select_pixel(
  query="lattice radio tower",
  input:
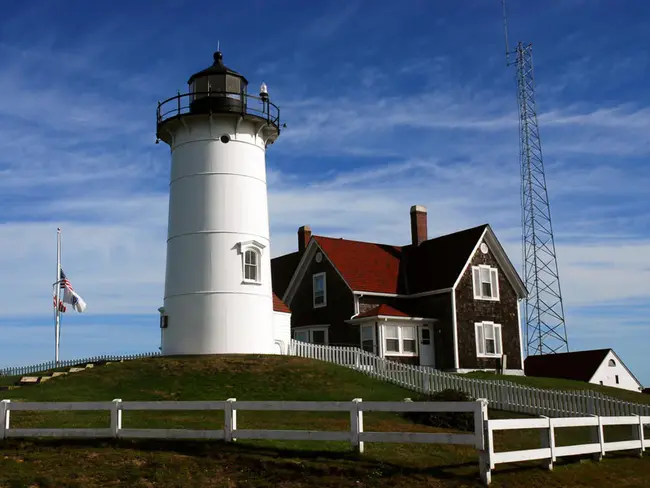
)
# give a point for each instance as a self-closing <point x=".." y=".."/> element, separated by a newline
<point x="544" y="311"/>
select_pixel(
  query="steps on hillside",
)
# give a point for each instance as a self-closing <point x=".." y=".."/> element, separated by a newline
<point x="29" y="380"/>
<point x="34" y="380"/>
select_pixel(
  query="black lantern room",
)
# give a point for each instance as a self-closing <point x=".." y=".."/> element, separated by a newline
<point x="217" y="89"/>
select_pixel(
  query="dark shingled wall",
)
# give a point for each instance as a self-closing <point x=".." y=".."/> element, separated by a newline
<point x="503" y="312"/>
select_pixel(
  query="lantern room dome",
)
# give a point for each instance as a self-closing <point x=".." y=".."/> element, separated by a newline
<point x="217" y="68"/>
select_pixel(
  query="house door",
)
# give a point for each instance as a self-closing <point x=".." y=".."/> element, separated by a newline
<point x="426" y="346"/>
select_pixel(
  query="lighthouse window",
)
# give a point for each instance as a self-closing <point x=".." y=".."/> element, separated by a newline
<point x="251" y="260"/>
<point x="225" y="138"/>
<point x="251" y="266"/>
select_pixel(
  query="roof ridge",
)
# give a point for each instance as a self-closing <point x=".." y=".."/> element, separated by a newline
<point x="404" y="245"/>
<point x="357" y="241"/>
<point x="602" y="349"/>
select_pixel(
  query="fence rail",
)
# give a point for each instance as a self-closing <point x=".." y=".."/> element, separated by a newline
<point x="49" y="365"/>
<point x="482" y="438"/>
<point x="502" y="394"/>
<point x="356" y="435"/>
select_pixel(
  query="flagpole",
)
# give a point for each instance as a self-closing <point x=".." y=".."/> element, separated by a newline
<point x="57" y="326"/>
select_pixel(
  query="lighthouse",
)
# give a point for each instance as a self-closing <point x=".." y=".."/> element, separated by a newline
<point x="218" y="296"/>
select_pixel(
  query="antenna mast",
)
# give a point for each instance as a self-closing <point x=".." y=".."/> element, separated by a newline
<point x="544" y="310"/>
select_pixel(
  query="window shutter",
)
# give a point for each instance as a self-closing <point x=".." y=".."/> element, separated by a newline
<point x="477" y="282"/>
<point x="497" y="338"/>
<point x="494" y="278"/>
<point x="479" y="339"/>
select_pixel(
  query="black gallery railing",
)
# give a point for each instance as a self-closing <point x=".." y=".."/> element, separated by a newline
<point x="218" y="102"/>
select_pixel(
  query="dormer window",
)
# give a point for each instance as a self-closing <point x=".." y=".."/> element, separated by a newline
<point x="319" y="290"/>
<point x="251" y="252"/>
<point x="486" y="282"/>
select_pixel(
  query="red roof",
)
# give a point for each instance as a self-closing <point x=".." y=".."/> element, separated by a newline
<point x="381" y="268"/>
<point x="383" y="310"/>
<point x="279" y="305"/>
<point x="364" y="266"/>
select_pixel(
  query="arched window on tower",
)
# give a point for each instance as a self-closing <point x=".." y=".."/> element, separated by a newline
<point x="611" y="363"/>
<point x="251" y="265"/>
<point x="251" y="256"/>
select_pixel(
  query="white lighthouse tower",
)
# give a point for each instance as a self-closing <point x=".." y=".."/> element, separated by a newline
<point x="218" y="296"/>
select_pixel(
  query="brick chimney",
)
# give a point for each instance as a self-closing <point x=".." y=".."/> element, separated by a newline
<point x="418" y="224"/>
<point x="304" y="235"/>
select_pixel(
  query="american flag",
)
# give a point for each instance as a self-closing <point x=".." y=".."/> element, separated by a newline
<point x="62" y="306"/>
<point x="64" y="283"/>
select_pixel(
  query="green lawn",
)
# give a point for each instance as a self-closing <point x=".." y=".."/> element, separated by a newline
<point x="561" y="384"/>
<point x="90" y="463"/>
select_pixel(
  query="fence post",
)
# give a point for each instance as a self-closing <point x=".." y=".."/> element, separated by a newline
<point x="547" y="436"/>
<point x="637" y="434"/>
<point x="230" y="420"/>
<point x="356" y="425"/>
<point x="116" y="418"/>
<point x="484" y="440"/>
<point x="601" y="440"/>
<point x="4" y="418"/>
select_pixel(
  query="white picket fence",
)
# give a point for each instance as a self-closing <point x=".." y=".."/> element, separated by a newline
<point x="549" y="452"/>
<point x="49" y="365"/>
<point x="502" y="394"/>
<point x="481" y="439"/>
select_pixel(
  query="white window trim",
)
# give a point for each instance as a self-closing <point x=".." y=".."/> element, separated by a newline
<point x="257" y="248"/>
<point x="400" y="339"/>
<point x="498" y="344"/>
<point x="310" y="330"/>
<point x="494" y="279"/>
<point x="313" y="290"/>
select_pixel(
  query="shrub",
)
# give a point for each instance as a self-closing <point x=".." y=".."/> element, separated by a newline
<point x="449" y="420"/>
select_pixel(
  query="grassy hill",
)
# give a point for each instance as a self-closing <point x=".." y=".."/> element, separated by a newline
<point x="89" y="463"/>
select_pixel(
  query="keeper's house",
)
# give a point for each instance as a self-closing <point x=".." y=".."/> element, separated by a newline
<point x="451" y="302"/>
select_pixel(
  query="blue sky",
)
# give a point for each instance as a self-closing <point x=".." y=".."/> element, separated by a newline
<point x="388" y="104"/>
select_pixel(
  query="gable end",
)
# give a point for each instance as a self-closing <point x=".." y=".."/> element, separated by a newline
<point x="303" y="265"/>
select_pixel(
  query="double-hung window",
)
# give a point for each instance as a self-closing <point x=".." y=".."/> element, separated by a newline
<point x="319" y="290"/>
<point x="368" y="338"/>
<point x="251" y="252"/>
<point x="251" y="266"/>
<point x="486" y="282"/>
<point x="400" y="340"/>
<point x="488" y="340"/>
